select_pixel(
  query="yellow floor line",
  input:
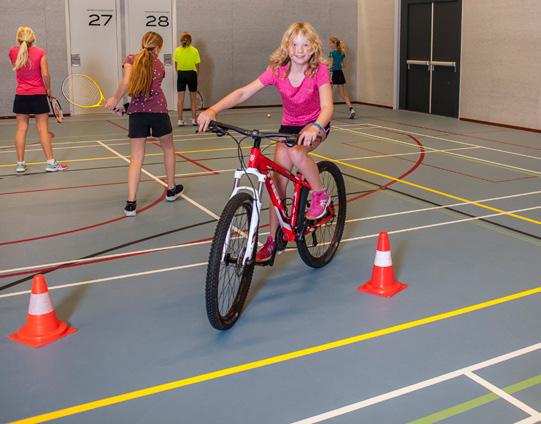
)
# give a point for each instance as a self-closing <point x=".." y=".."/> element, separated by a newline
<point x="431" y="190"/>
<point x="77" y="409"/>
<point x="116" y="157"/>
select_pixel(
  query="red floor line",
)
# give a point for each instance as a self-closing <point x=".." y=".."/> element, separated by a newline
<point x="455" y="133"/>
<point x="63" y="188"/>
<point x="443" y="169"/>
<point x="155" y="142"/>
<point x="116" y="125"/>
<point x="95" y="261"/>
<point x="405" y="174"/>
<point x="88" y="227"/>
<point x="196" y="163"/>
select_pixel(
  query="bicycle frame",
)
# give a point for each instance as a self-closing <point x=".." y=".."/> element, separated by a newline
<point x="260" y="166"/>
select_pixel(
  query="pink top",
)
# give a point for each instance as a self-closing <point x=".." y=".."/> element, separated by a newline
<point x="156" y="102"/>
<point x="29" y="80"/>
<point x="300" y="104"/>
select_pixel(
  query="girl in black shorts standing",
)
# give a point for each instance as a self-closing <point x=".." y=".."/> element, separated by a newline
<point x="337" y="55"/>
<point x="187" y="61"/>
<point x="143" y="75"/>
<point x="33" y="87"/>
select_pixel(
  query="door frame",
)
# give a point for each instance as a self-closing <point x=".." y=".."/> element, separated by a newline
<point x="399" y="95"/>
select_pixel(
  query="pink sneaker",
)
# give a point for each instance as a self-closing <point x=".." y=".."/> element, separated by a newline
<point x="318" y="207"/>
<point x="266" y="252"/>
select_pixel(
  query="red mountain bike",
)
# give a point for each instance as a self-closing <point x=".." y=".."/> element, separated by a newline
<point x="232" y="254"/>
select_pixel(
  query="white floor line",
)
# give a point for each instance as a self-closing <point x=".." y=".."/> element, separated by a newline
<point x="105" y="279"/>
<point x="125" y="143"/>
<point x="501" y="393"/>
<point x="393" y="155"/>
<point x="104" y="257"/>
<point x="475" y="159"/>
<point x="458" y="142"/>
<point x="530" y="420"/>
<point x="451" y="205"/>
<point x="71" y="261"/>
<point x="189" y="199"/>
<point x="404" y="230"/>
<point x="442" y="224"/>
<point x="415" y="387"/>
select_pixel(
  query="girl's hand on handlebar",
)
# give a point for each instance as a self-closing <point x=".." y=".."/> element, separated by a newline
<point x="308" y="135"/>
<point x="204" y="119"/>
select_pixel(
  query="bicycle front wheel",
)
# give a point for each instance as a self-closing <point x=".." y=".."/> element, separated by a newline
<point x="319" y="239"/>
<point x="228" y="278"/>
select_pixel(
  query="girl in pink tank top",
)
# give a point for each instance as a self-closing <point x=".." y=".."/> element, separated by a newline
<point x="33" y="87"/>
<point x="298" y="72"/>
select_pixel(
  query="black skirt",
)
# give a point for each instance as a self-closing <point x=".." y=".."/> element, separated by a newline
<point x="34" y="104"/>
<point x="338" y="78"/>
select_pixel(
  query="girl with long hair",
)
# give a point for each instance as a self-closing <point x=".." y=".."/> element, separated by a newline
<point x="148" y="115"/>
<point x="337" y="56"/>
<point x="298" y="72"/>
<point x="33" y="86"/>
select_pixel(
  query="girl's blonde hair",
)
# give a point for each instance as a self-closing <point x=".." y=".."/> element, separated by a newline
<point x="280" y="56"/>
<point x="338" y="43"/>
<point x="25" y="37"/>
<point x="185" y="39"/>
<point x="141" y="75"/>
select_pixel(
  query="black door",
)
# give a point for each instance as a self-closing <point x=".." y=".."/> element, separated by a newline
<point x="430" y="56"/>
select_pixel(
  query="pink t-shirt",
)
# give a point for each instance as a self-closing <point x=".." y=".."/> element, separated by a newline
<point x="156" y="102"/>
<point x="29" y="80"/>
<point x="300" y="104"/>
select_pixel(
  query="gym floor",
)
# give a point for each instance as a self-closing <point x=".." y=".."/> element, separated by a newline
<point x="460" y="201"/>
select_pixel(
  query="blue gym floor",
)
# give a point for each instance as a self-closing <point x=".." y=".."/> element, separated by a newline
<point x="461" y="203"/>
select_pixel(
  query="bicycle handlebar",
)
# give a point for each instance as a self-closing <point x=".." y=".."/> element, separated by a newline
<point x="221" y="129"/>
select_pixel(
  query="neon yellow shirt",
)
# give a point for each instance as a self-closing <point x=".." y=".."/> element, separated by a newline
<point x="186" y="58"/>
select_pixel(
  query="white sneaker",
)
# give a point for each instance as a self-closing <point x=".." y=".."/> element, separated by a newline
<point x="194" y="122"/>
<point x="351" y="113"/>
<point x="180" y="123"/>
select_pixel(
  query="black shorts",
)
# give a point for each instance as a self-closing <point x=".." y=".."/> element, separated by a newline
<point x="294" y="129"/>
<point x="186" y="78"/>
<point x="338" y="78"/>
<point x="146" y="124"/>
<point x="34" y="104"/>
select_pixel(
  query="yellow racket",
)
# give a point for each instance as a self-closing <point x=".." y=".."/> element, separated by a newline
<point x="82" y="91"/>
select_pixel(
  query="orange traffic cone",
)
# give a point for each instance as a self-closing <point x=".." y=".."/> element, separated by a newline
<point x="42" y="326"/>
<point x="383" y="282"/>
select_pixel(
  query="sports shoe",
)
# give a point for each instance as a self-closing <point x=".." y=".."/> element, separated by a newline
<point x="55" y="166"/>
<point x="180" y="123"/>
<point x="194" y="123"/>
<point x="266" y="252"/>
<point x="21" y="167"/>
<point x="174" y="193"/>
<point x="351" y="113"/>
<point x="131" y="208"/>
<point x="318" y="207"/>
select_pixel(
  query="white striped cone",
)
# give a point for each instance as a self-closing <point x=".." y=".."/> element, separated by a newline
<point x="42" y="326"/>
<point x="382" y="282"/>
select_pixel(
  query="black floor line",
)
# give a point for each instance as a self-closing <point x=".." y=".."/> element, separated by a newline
<point x="131" y="243"/>
<point x="412" y="196"/>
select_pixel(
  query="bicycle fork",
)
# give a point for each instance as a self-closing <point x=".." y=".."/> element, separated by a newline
<point x="256" y="210"/>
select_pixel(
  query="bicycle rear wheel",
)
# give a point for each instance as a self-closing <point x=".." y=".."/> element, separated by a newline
<point x="228" y="279"/>
<point x="317" y="248"/>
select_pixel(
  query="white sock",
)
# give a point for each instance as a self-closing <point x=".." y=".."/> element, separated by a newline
<point x="51" y="162"/>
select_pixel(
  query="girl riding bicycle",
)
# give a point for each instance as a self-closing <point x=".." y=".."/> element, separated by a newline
<point x="298" y="72"/>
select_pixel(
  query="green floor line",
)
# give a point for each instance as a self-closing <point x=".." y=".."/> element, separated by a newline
<point x="477" y="402"/>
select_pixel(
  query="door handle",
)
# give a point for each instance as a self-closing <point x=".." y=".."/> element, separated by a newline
<point x="443" y="63"/>
<point x="410" y="62"/>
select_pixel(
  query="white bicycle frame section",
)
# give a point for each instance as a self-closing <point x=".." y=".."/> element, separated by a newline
<point x="256" y="208"/>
